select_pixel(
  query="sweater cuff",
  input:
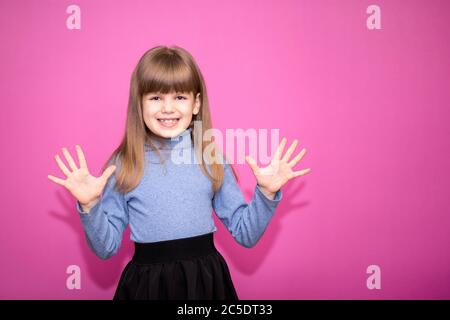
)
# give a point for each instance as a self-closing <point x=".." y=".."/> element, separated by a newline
<point x="86" y="216"/>
<point x="271" y="202"/>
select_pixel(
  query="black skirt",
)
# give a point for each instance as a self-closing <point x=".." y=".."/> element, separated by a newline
<point x="181" y="269"/>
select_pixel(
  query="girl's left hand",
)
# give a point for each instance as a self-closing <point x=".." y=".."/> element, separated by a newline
<point x="271" y="178"/>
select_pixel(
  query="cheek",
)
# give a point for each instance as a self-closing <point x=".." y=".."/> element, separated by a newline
<point x="187" y="110"/>
<point x="148" y="112"/>
<point x="187" y="116"/>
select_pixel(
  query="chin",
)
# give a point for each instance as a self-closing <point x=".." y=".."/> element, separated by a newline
<point x="168" y="132"/>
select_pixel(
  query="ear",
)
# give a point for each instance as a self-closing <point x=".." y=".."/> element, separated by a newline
<point x="197" y="104"/>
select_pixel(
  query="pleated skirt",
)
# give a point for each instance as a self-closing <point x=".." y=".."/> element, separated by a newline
<point x="180" y="269"/>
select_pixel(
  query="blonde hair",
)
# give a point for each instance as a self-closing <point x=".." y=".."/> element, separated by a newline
<point x="162" y="69"/>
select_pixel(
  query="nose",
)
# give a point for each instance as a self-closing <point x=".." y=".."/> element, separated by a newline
<point x="167" y="106"/>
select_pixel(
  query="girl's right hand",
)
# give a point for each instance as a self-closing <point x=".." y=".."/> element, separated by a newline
<point x="86" y="188"/>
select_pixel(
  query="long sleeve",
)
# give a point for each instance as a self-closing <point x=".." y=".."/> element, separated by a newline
<point x="106" y="221"/>
<point x="245" y="221"/>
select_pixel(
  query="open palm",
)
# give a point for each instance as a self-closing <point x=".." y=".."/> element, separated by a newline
<point x="279" y="171"/>
<point x="80" y="183"/>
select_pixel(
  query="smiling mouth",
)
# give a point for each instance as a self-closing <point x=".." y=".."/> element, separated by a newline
<point x="168" y="122"/>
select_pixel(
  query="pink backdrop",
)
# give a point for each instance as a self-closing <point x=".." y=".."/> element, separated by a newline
<point x="371" y="107"/>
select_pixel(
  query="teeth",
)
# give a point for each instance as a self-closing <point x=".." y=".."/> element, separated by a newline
<point x="168" y="120"/>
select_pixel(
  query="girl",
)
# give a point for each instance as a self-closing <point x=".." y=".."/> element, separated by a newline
<point x="167" y="204"/>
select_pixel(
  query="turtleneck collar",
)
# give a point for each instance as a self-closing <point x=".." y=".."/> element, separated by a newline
<point x="181" y="141"/>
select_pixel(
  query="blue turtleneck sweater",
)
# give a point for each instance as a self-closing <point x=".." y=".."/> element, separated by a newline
<point x="174" y="200"/>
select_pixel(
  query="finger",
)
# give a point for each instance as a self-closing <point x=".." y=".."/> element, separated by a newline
<point x="297" y="158"/>
<point x="62" y="166"/>
<point x="56" y="180"/>
<point x="252" y="163"/>
<point x="81" y="157"/>
<point x="301" y="172"/>
<point x="280" y="149"/>
<point x="289" y="152"/>
<point x="69" y="159"/>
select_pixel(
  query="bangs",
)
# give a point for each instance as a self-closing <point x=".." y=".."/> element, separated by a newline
<point x="167" y="73"/>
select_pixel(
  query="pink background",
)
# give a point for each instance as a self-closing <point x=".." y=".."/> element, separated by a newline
<point x="371" y="107"/>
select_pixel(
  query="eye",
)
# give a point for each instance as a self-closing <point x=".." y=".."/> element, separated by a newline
<point x="181" y="97"/>
<point x="154" y="98"/>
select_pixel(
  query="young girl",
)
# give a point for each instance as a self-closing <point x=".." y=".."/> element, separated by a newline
<point x="169" y="203"/>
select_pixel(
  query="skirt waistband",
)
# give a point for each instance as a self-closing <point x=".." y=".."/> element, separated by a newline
<point x="178" y="249"/>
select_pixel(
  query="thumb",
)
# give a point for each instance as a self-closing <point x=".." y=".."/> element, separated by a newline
<point x="252" y="163"/>
<point x="108" y="172"/>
